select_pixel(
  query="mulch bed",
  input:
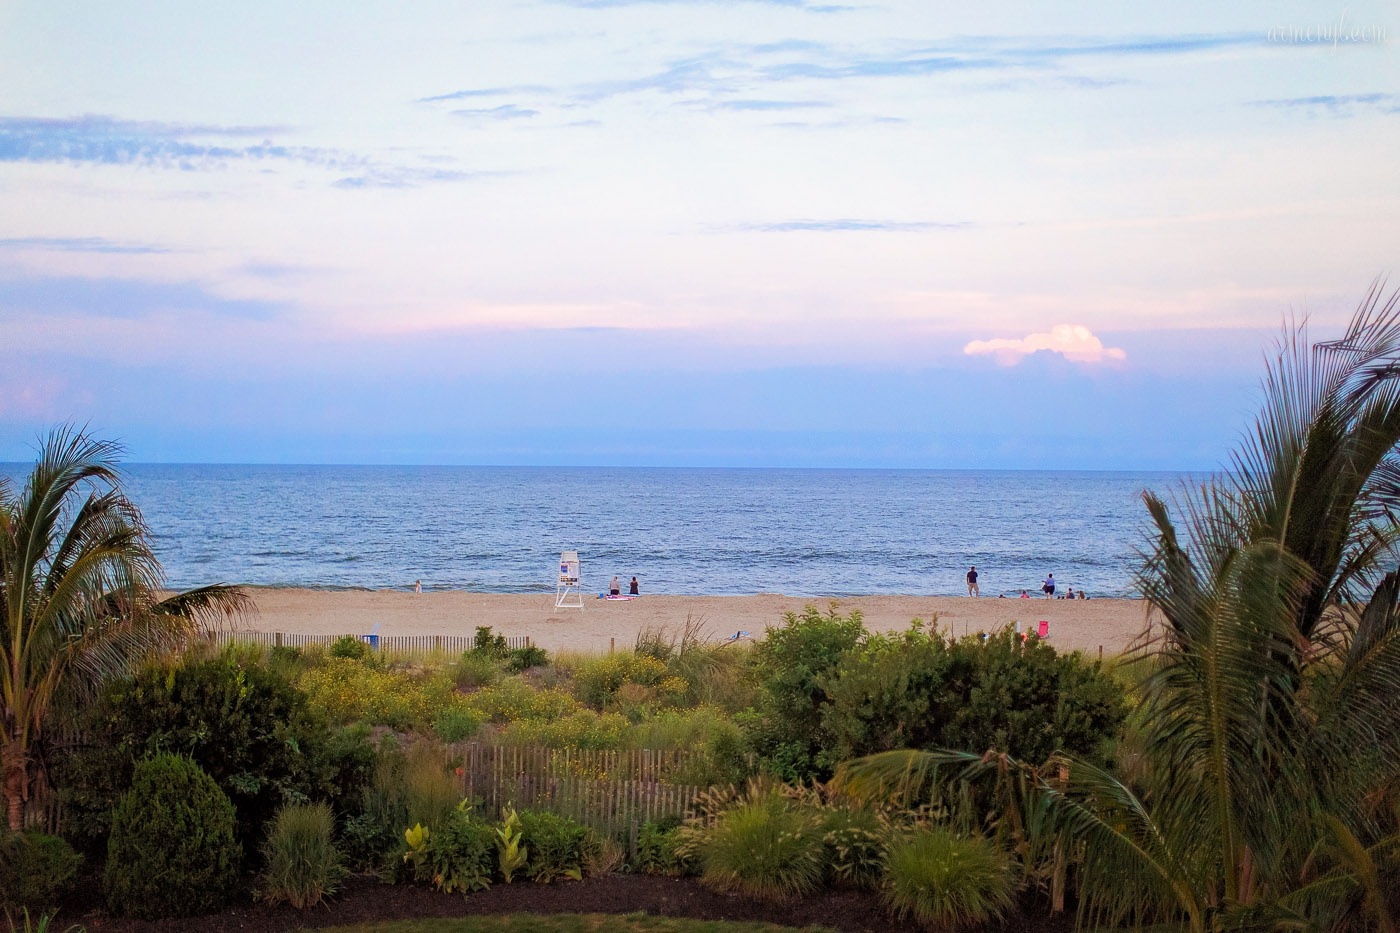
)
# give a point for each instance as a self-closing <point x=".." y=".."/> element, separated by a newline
<point x="365" y="898"/>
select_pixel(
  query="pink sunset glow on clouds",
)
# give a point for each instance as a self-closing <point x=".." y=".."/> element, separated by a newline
<point x="1072" y="341"/>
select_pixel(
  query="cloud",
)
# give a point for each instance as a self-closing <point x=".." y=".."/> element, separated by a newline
<point x="123" y="298"/>
<point x="849" y="224"/>
<point x="510" y="90"/>
<point x="767" y="105"/>
<point x="105" y="140"/>
<point x="1072" y="341"/>
<point x="1336" y="105"/>
<point x="503" y="112"/>
<point x="87" y="244"/>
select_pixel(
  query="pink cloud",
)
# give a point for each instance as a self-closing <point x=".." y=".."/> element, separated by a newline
<point x="1072" y="341"/>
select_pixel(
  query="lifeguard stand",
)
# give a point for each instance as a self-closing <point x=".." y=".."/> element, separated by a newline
<point x="567" y="593"/>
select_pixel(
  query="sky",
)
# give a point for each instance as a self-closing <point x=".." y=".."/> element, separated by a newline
<point x="681" y="232"/>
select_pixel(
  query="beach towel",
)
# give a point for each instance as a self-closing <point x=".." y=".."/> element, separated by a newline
<point x="606" y="596"/>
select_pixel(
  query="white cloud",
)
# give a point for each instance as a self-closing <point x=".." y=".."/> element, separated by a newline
<point x="1072" y="341"/>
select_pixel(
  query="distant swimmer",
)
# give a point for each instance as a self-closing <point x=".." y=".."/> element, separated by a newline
<point x="972" y="582"/>
<point x="632" y="589"/>
<point x="1048" y="587"/>
<point x="615" y="588"/>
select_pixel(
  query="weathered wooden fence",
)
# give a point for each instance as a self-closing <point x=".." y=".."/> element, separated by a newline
<point x="403" y="644"/>
<point x="611" y="791"/>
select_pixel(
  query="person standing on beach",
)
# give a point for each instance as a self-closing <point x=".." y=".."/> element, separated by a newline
<point x="972" y="582"/>
<point x="632" y="590"/>
<point x="1049" y="586"/>
<point x="616" y="588"/>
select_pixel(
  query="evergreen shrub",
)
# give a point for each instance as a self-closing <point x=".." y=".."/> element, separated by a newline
<point x="172" y="850"/>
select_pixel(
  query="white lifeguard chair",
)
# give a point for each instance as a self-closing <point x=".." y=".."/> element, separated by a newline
<point x="567" y="592"/>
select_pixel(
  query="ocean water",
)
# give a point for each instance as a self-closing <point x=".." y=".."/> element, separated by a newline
<point x="719" y="531"/>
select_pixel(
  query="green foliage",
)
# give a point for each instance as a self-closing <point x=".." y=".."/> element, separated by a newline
<point x="659" y="852"/>
<point x="765" y="845"/>
<point x="488" y="645"/>
<point x="511" y="851"/>
<point x="947" y="881"/>
<point x="348" y="691"/>
<point x="916" y="690"/>
<point x="172" y="850"/>
<point x="456" y="724"/>
<point x="522" y="659"/>
<point x="793" y="662"/>
<point x="36" y="870"/>
<point x="598" y="680"/>
<point x="455" y="855"/>
<point x="583" y="729"/>
<point x="43" y="924"/>
<point x="348" y="646"/>
<point x="855" y="841"/>
<point x="513" y="700"/>
<point x="557" y="845"/>
<point x="303" y="865"/>
<point x="473" y="670"/>
<point x="243" y="724"/>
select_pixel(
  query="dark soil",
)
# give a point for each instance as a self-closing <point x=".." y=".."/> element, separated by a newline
<point x="365" y="898"/>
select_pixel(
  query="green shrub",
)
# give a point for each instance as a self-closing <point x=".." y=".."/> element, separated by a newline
<point x="488" y="645"/>
<point x="556" y="845"/>
<point x="657" y="849"/>
<point x="944" y="880"/>
<point x="513" y="700"/>
<point x="793" y="662"/>
<point x="597" y="680"/>
<point x="243" y="724"/>
<point x="917" y="690"/>
<point x="766" y="846"/>
<point x="456" y="854"/>
<point x="303" y="865"/>
<point x="582" y="729"/>
<point x="521" y="659"/>
<point x="455" y="724"/>
<point x="348" y="646"/>
<point x="172" y="851"/>
<point x="855" y="846"/>
<point x="36" y="870"/>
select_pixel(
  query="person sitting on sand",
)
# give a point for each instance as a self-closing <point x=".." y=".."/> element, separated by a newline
<point x="1025" y="595"/>
<point x="1069" y="592"/>
<point x="1081" y="595"/>
<point x="632" y="589"/>
<point x="615" y="588"/>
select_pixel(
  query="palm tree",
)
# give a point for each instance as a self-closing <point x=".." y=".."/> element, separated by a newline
<point x="80" y="595"/>
<point x="1271" y="713"/>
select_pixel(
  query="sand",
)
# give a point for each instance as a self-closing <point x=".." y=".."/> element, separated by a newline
<point x="1078" y="624"/>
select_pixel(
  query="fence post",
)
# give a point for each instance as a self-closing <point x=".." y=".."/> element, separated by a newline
<point x="278" y="641"/>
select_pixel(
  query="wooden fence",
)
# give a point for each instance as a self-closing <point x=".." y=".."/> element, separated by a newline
<point x="611" y="791"/>
<point x="402" y="644"/>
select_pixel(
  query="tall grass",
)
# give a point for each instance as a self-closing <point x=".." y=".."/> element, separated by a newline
<point x="303" y="865"/>
<point x="945" y="880"/>
<point x="766" y="845"/>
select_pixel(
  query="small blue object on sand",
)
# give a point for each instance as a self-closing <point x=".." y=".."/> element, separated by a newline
<point x="372" y="638"/>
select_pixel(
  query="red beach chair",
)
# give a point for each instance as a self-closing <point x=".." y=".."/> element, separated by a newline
<point x="1043" y="629"/>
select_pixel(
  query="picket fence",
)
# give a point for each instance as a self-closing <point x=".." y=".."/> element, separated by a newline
<point x="611" y="791"/>
<point x="401" y="644"/>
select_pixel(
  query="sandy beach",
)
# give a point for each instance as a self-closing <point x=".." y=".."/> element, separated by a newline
<point x="1078" y="624"/>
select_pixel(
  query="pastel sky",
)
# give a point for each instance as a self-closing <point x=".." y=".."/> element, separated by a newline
<point x="669" y="232"/>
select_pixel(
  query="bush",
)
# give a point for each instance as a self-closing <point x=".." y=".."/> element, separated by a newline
<point x="456" y="854"/>
<point x="348" y="646"/>
<point x="793" y="662"/>
<point x="597" y="680"/>
<point x="488" y="645"/>
<point x="555" y="844"/>
<point x="244" y="725"/>
<point x="944" y="880"/>
<point x="172" y="851"/>
<point x="521" y="659"/>
<point x="303" y="865"/>
<point x="657" y="849"/>
<point x="916" y="690"/>
<point x="36" y="870"/>
<point x="766" y="846"/>
<point x="854" y="840"/>
<point x="473" y="670"/>
<point x="513" y="700"/>
<point x="582" y="729"/>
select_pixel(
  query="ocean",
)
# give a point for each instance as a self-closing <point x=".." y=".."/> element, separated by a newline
<point x="711" y="531"/>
